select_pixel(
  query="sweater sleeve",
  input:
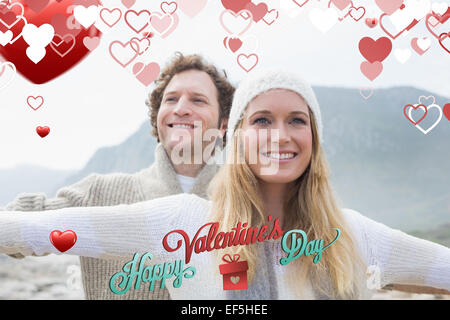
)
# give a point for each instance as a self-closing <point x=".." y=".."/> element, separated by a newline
<point x="71" y="196"/>
<point x="402" y="258"/>
<point x="114" y="232"/>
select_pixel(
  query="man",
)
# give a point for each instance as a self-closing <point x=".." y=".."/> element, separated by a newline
<point x="190" y="97"/>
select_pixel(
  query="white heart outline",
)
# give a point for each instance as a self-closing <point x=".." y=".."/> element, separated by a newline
<point x="427" y="97"/>
<point x="3" y="65"/>
<point x="434" y="124"/>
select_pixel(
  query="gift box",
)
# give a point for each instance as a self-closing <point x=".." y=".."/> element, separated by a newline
<point x="234" y="273"/>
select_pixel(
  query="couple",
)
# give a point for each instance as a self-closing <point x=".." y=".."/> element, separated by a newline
<point x="274" y="115"/>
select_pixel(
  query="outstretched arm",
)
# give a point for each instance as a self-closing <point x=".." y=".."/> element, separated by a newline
<point x="403" y="259"/>
<point x="115" y="232"/>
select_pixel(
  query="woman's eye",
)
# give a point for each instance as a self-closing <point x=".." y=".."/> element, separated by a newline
<point x="169" y="99"/>
<point x="298" y="120"/>
<point x="262" y="121"/>
<point x="199" y="101"/>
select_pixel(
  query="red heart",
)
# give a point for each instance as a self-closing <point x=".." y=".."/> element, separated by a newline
<point x="442" y="36"/>
<point x="446" y="110"/>
<point x="235" y="5"/>
<point x="63" y="241"/>
<point x="441" y="18"/>
<point x="375" y="50"/>
<point x="258" y="11"/>
<point x="43" y="131"/>
<point x="371" y="22"/>
<point x="56" y="61"/>
<point x="235" y="44"/>
<point x="415" y="108"/>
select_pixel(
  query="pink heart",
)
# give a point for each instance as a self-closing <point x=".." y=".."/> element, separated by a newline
<point x="36" y="5"/>
<point x="247" y="62"/>
<point x="341" y="4"/>
<point x="128" y="3"/>
<point x="122" y="55"/>
<point x="191" y="8"/>
<point x="258" y="11"/>
<point x="91" y="43"/>
<point x="234" y="44"/>
<point x="371" y="70"/>
<point x="35" y="102"/>
<point x="161" y="24"/>
<point x="146" y="74"/>
<point x="389" y="6"/>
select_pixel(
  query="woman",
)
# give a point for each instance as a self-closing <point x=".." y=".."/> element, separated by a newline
<point x="275" y="171"/>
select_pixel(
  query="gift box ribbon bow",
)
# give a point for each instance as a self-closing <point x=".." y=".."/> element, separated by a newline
<point x="228" y="259"/>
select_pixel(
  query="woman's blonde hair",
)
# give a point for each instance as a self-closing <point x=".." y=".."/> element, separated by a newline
<point x="310" y="206"/>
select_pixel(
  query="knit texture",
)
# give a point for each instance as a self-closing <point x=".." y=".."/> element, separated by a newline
<point x="157" y="181"/>
<point x="109" y="233"/>
<point x="262" y="81"/>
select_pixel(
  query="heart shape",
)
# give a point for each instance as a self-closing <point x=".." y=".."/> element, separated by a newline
<point x="137" y="21"/>
<point x="300" y="3"/>
<point x="371" y="22"/>
<point x="35" y="102"/>
<point x="434" y="124"/>
<point x="234" y="44"/>
<point x="366" y="93"/>
<point x="426" y="98"/>
<point x="228" y="20"/>
<point x="389" y="6"/>
<point x="162" y="23"/>
<point x="191" y="8"/>
<point x="412" y="24"/>
<point x="64" y="46"/>
<point x="123" y="53"/>
<point x="442" y="37"/>
<point x="357" y="13"/>
<point x="235" y="280"/>
<point x="110" y="17"/>
<point x="91" y="43"/>
<point x="371" y="69"/>
<point x="140" y="45"/>
<point x="43" y="131"/>
<point x="441" y="18"/>
<point x="271" y="16"/>
<point x="415" y="107"/>
<point x="235" y="5"/>
<point x="446" y="110"/>
<point x="420" y="45"/>
<point x="258" y="11"/>
<point x="375" y="50"/>
<point x="63" y="241"/>
<point x="247" y="62"/>
<point x="168" y="7"/>
<point x="146" y="74"/>
<point x="51" y="65"/>
<point x="340" y="4"/>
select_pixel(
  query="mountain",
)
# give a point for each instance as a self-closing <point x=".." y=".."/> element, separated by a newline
<point x="28" y="178"/>
<point x="381" y="165"/>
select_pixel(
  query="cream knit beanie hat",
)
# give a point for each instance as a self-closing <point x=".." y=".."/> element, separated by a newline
<point x="259" y="82"/>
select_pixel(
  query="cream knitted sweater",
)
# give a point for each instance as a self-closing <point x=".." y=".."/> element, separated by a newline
<point x="158" y="180"/>
<point x="109" y="233"/>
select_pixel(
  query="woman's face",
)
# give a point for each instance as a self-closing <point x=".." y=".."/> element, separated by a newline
<point x="277" y="136"/>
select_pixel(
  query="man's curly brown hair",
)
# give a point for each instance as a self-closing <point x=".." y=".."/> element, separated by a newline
<point x="180" y="63"/>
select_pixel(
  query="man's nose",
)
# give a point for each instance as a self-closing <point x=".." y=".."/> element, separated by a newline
<point x="183" y="107"/>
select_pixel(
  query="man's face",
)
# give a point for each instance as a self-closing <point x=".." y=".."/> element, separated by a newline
<point x="189" y="107"/>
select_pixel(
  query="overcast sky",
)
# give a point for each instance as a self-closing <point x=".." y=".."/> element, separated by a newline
<point x="98" y="103"/>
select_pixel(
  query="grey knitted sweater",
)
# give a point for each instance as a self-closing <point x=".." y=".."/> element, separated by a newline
<point x="159" y="180"/>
